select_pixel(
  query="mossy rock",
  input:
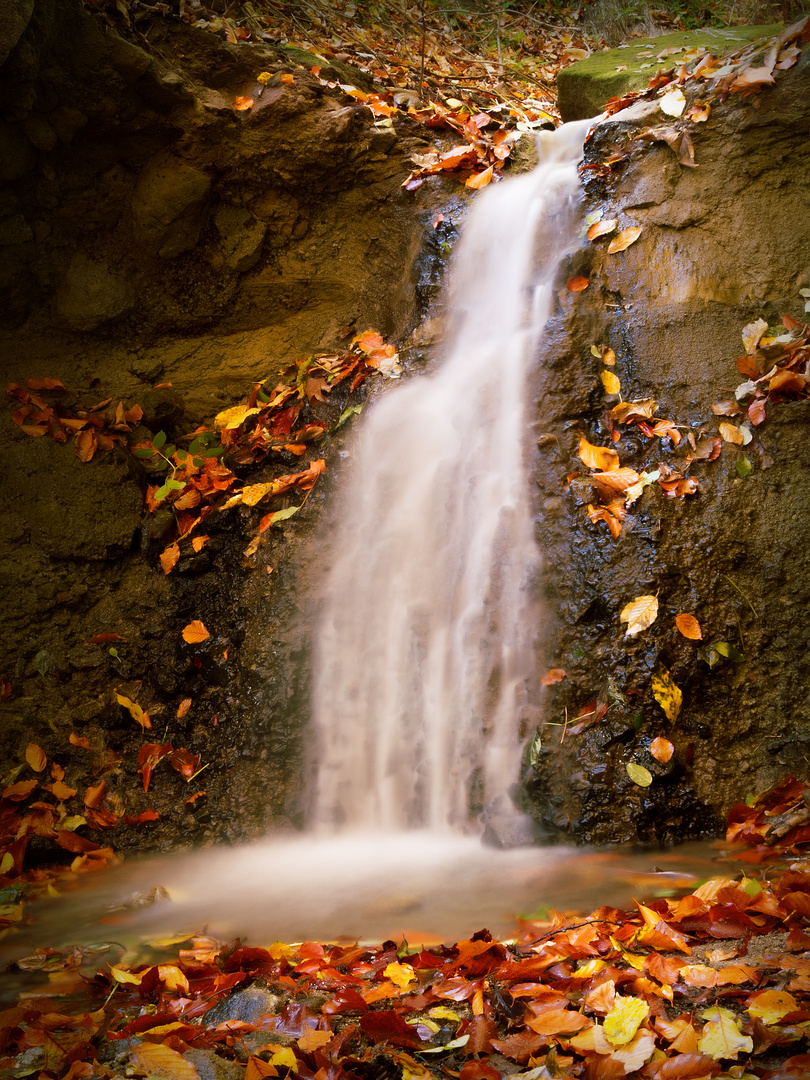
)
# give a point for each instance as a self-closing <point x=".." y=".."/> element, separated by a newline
<point x="584" y="87"/>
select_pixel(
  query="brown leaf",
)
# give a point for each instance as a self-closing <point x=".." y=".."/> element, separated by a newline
<point x="479" y="180"/>
<point x="661" y="749"/>
<point x="94" y="796"/>
<point x="35" y="756"/>
<point x="577" y="284"/>
<point x="624" y="239"/>
<point x="183" y="707"/>
<point x="752" y="80"/>
<point x="79" y="740"/>
<point x="19" y="791"/>
<point x="554" y="675"/>
<point x="160" y="1060"/>
<point x="44" y="384"/>
<point x="86" y="445"/>
<point x="726" y="408"/>
<point x="195" y="632"/>
<point x="601" y="228"/>
<point x="689" y="627"/>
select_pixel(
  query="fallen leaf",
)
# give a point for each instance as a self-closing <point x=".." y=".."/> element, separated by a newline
<point x="689" y="626"/>
<point x="638" y="774"/>
<point x="554" y="675"/>
<point x="639" y="614"/>
<point x="231" y="419"/>
<point x="597" y="457"/>
<point x="673" y="102"/>
<point x="35" y="756"/>
<point x="666" y="693"/>
<point x="731" y="433"/>
<point x="721" y="1036"/>
<point x="135" y="710"/>
<point x="183" y="708"/>
<point x="611" y="383"/>
<point x="601" y="228"/>
<point x="170" y="557"/>
<point x="44" y="384"/>
<point x="479" y="180"/>
<point x="577" y="284"/>
<point x="726" y="408"/>
<point x="624" y="239"/>
<point x="242" y="103"/>
<point x="95" y="796"/>
<point x="79" y="740"/>
<point x="751" y="335"/>
<point x="160" y="1060"/>
<point x="751" y="80"/>
<point x="771" y="1006"/>
<point x="287" y="79"/>
<point x="623" y="1020"/>
<point x="661" y="749"/>
<point x="195" y="632"/>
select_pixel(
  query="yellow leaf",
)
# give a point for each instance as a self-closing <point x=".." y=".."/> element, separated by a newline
<point x="173" y="978"/>
<point x="731" y="433"/>
<point x="611" y="383"/>
<point x="639" y="614"/>
<point x="752" y="333"/>
<point x="661" y="749"/>
<point x="624" y="239"/>
<point x="232" y="418"/>
<point x="264" y="77"/>
<point x="287" y="78"/>
<point x="638" y="774"/>
<point x="673" y="102"/>
<point x="195" y="632"/>
<point x="771" y="1006"/>
<point x="636" y="1053"/>
<point x="721" y="1036"/>
<point x="689" y="626"/>
<point x="160" y="1060"/>
<point x="285" y="1056"/>
<point x="7" y="862"/>
<point x="666" y="693"/>
<point x="122" y="975"/>
<point x="400" y="974"/>
<point x="35" y="756"/>
<point x="134" y="709"/>
<point x="622" y="1022"/>
<point x="597" y="457"/>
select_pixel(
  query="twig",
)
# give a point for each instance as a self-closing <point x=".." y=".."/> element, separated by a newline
<point x="742" y="594"/>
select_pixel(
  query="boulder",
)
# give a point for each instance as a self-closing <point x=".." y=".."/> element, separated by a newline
<point x="14" y="18"/>
<point x="169" y="205"/>
<point x="241" y="235"/>
<point x="584" y="87"/>
<point x="91" y="295"/>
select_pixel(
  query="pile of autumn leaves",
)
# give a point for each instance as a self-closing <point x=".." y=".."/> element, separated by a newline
<point x="673" y="989"/>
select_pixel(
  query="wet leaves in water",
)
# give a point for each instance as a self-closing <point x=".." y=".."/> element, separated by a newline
<point x="638" y="774"/>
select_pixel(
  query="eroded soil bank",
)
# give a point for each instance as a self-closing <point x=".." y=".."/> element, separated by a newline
<point x="163" y="249"/>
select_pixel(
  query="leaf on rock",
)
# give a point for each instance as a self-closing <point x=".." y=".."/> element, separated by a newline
<point x="751" y="335"/>
<point x="601" y="228"/>
<point x="479" y="180"/>
<point x="597" y="457"/>
<point x="624" y="239"/>
<point x="726" y="408"/>
<point x="135" y="710"/>
<point x="689" y="626"/>
<point x="751" y="80"/>
<point x="170" y="557"/>
<point x="241" y="103"/>
<point x="44" y="384"/>
<point x="231" y="419"/>
<point x="638" y="774"/>
<point x="673" y="102"/>
<point x="35" y="756"/>
<point x="661" y="749"/>
<point x="183" y="708"/>
<point x="195" y="632"/>
<point x="731" y="433"/>
<point x="95" y="796"/>
<point x="611" y="383"/>
<point x="627" y="412"/>
<point x="553" y="676"/>
<point x="160" y="1060"/>
<point x="639" y="614"/>
<point x="666" y="693"/>
<point x="577" y="283"/>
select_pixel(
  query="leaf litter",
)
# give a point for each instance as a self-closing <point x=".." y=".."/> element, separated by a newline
<point x="709" y="983"/>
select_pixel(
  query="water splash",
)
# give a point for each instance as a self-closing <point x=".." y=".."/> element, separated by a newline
<point x="425" y="656"/>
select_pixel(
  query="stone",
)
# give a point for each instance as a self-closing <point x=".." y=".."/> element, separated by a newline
<point x="128" y="60"/>
<point x="40" y="132"/>
<point x="17" y="156"/>
<point x="91" y="295"/>
<point x="14" y="18"/>
<point x="248" y="1006"/>
<point x="169" y="205"/>
<point x="242" y="237"/>
<point x="584" y="87"/>
<point x="210" y="1066"/>
<point x="66" y="121"/>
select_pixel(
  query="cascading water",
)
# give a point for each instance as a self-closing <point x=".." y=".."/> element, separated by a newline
<point x="425" y="653"/>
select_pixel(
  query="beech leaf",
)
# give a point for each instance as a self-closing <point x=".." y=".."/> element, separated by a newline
<point x="35" y="756"/>
<point x="624" y="239"/>
<point x="689" y="626"/>
<point x="611" y="383"/>
<point x="666" y="693"/>
<point x="639" y="614"/>
<point x="721" y="1036"/>
<point x="623" y="1020"/>
<point x="601" y="228"/>
<point x="597" y="457"/>
<point x="661" y="749"/>
<point x="195" y="632"/>
<point x="577" y="284"/>
<point x="638" y="774"/>
<point x="160" y="1060"/>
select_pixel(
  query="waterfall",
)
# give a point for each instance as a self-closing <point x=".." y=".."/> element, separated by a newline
<point x="425" y="655"/>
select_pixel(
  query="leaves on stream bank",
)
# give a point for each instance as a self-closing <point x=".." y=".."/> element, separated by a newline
<point x="709" y="983"/>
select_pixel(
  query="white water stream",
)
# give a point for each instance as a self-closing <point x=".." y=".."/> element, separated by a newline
<point x="425" y="657"/>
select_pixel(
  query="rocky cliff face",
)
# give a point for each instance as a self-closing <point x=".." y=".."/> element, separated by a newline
<point x="721" y="245"/>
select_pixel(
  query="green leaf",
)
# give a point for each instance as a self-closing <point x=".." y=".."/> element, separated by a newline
<point x="169" y="485"/>
<point x="159" y="440"/>
<point x="283" y="515"/>
<point x="744" y="466"/>
<point x="43" y="661"/>
<point x="638" y="774"/>
<point x="214" y="451"/>
<point x="169" y="451"/>
<point x="181" y="456"/>
<point x="144" y="452"/>
<point x="196" y="445"/>
<point x="347" y="414"/>
<point x="725" y="649"/>
<point x="263" y="396"/>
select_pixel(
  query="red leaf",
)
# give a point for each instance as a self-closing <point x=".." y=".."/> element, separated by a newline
<point x="388" y="1027"/>
<point x="577" y="284"/>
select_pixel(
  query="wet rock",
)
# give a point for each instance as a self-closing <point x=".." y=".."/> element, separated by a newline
<point x="14" y="18"/>
<point x="91" y="295"/>
<point x="169" y="205"/>
<point x="163" y="408"/>
<point x="242" y="237"/>
<point x="17" y="156"/>
<point x="210" y="1066"/>
<point x="248" y="1006"/>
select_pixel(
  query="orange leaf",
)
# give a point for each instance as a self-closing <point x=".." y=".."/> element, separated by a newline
<point x="44" y="384"/>
<point x="624" y="239"/>
<point x="689" y="627"/>
<point x="94" y="796"/>
<point x="480" y="180"/>
<point x="170" y="558"/>
<point x="79" y="740"/>
<point x="160" y="1060"/>
<point x="183" y="707"/>
<point x="597" y="457"/>
<point x="195" y="632"/>
<point x="555" y="675"/>
<point x="198" y="543"/>
<point x="287" y="79"/>
<point x="35" y="756"/>
<point x="86" y="445"/>
<point x="601" y="228"/>
<point x="577" y="284"/>
<point x="242" y="103"/>
<point x="661" y="749"/>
